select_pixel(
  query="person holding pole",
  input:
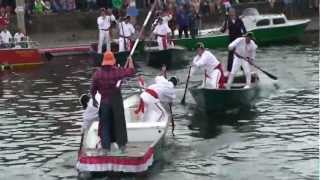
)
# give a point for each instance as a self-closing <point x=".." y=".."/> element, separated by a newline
<point x="244" y="52"/>
<point x="112" y="123"/>
<point x="213" y="70"/>
<point x="104" y="23"/>
<point x="126" y="30"/>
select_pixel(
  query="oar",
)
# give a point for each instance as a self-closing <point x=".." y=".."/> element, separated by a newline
<point x="183" y="101"/>
<point x="172" y="120"/>
<point x="142" y="28"/>
<point x="254" y="65"/>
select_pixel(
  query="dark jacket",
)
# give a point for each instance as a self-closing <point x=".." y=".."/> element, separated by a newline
<point x="236" y="29"/>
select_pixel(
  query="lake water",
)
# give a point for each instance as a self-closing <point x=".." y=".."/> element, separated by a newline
<point x="40" y="120"/>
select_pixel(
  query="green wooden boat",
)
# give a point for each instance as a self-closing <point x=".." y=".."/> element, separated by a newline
<point x="172" y="57"/>
<point x="222" y="100"/>
<point x="267" y="29"/>
<point x="121" y="57"/>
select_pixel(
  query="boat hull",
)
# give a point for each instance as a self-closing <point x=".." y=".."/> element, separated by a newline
<point x="171" y="58"/>
<point x="263" y="36"/>
<point x="222" y="100"/>
<point x="20" y="57"/>
<point x="145" y="139"/>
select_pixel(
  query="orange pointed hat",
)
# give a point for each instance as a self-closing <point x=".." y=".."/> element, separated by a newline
<point x="108" y="59"/>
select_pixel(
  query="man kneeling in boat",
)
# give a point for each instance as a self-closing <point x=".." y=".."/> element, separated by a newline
<point x="162" y="33"/>
<point x="244" y="51"/>
<point x="112" y="125"/>
<point x="162" y="91"/>
<point x="213" y="71"/>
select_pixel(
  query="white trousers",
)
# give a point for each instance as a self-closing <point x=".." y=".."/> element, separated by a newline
<point x="160" y="43"/>
<point x="211" y="80"/>
<point x="237" y="63"/>
<point x="104" y="38"/>
<point x="122" y="44"/>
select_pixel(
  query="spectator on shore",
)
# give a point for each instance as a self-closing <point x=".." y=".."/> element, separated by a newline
<point x="91" y="4"/>
<point x="47" y="9"/>
<point x="19" y="36"/>
<point x="5" y="38"/>
<point x="183" y="21"/>
<point x="56" y="6"/>
<point x="196" y="5"/>
<point x="227" y="5"/>
<point x="4" y="18"/>
<point x="204" y="8"/>
<point x="71" y="5"/>
<point x="194" y="22"/>
<point x="39" y="6"/>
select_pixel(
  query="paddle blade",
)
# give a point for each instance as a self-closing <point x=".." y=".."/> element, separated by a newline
<point x="183" y="101"/>
<point x="271" y="75"/>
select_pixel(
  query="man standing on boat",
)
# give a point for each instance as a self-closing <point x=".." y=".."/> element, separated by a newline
<point x="236" y="29"/>
<point x="106" y="81"/>
<point x="213" y="70"/>
<point x="126" y="30"/>
<point x="104" y="23"/>
<point x="244" y="51"/>
<point x="162" y="33"/>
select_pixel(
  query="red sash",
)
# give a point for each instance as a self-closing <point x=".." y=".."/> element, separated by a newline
<point x="221" y="80"/>
<point x="141" y="104"/>
<point x="164" y="42"/>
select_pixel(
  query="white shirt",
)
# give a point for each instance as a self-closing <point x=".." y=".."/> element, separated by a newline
<point x="207" y="61"/>
<point x="5" y="36"/>
<point x="18" y="36"/>
<point x="242" y="48"/>
<point x="91" y="113"/>
<point x="167" y="18"/>
<point x="164" y="89"/>
<point x="162" y="29"/>
<point x="105" y="22"/>
<point x="126" y="28"/>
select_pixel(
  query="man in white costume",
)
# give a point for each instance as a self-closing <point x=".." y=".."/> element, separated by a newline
<point x="244" y="51"/>
<point x="90" y="113"/>
<point x="162" y="33"/>
<point x="6" y="37"/>
<point x="213" y="70"/>
<point x="126" y="30"/>
<point x="104" y="23"/>
<point x="162" y="91"/>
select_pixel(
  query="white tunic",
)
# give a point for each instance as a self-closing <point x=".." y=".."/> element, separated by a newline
<point x="126" y="29"/>
<point x="244" y="49"/>
<point x="18" y="36"/>
<point x="166" y="92"/>
<point x="162" y="30"/>
<point x="104" y="23"/>
<point x="5" y="36"/>
<point x="208" y="63"/>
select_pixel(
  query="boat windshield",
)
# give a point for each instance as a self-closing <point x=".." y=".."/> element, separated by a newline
<point x="250" y="12"/>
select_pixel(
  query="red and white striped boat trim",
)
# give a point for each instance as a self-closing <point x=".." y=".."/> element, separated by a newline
<point x="116" y="163"/>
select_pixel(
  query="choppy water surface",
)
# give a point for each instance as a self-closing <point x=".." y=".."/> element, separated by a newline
<point x="40" y="124"/>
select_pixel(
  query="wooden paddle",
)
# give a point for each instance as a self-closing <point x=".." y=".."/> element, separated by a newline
<point x="142" y="29"/>
<point x="254" y="65"/>
<point x="183" y="101"/>
<point x="172" y="120"/>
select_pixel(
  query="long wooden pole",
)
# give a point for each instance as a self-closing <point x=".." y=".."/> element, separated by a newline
<point x="142" y="28"/>
<point x="20" y="10"/>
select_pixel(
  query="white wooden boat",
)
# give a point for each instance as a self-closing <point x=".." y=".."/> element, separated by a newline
<point x="144" y="140"/>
